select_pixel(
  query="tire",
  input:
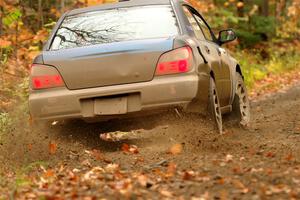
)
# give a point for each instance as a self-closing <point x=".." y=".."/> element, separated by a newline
<point x="241" y="105"/>
<point x="214" y="109"/>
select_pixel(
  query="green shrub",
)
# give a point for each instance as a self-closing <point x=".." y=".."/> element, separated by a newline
<point x="247" y="39"/>
<point x="263" y="25"/>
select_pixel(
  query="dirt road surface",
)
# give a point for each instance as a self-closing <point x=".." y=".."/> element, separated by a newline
<point x="162" y="156"/>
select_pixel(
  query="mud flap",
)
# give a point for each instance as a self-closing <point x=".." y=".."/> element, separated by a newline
<point x="200" y="103"/>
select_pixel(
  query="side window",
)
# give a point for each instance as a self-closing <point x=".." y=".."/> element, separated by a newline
<point x="204" y="28"/>
<point x="194" y="24"/>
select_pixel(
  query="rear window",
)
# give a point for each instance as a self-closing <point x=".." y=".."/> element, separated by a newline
<point x="115" y="25"/>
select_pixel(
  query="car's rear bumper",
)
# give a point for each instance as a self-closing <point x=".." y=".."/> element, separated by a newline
<point x="61" y="103"/>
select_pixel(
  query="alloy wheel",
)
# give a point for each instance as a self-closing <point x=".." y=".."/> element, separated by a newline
<point x="244" y="104"/>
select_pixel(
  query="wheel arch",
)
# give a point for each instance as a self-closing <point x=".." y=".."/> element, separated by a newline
<point x="239" y="70"/>
<point x="212" y="74"/>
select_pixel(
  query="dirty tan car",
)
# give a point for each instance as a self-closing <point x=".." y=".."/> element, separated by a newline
<point x="130" y="57"/>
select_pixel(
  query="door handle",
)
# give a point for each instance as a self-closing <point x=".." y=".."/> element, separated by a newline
<point x="201" y="54"/>
<point x="207" y="49"/>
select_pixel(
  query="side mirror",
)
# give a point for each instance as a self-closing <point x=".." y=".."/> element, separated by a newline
<point x="226" y="36"/>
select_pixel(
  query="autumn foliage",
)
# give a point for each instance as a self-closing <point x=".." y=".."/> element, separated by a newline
<point x="25" y="25"/>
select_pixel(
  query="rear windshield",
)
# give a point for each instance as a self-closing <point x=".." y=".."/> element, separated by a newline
<point x="115" y="25"/>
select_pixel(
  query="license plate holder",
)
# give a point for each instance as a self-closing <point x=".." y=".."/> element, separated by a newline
<point x="110" y="106"/>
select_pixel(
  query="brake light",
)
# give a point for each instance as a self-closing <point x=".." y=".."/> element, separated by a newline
<point x="177" y="61"/>
<point x="41" y="82"/>
<point x="43" y="77"/>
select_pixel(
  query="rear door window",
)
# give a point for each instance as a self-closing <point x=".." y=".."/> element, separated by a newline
<point x="116" y="25"/>
<point x="200" y="28"/>
<point x="193" y="22"/>
<point x="204" y="28"/>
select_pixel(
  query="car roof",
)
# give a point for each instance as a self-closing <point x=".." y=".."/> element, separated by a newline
<point x="122" y="4"/>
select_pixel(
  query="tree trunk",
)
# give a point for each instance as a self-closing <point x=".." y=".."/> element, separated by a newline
<point x="265" y="8"/>
<point x="240" y="9"/>
<point x="40" y="13"/>
<point x="280" y="8"/>
<point x="16" y="41"/>
<point x="62" y="6"/>
<point x="1" y="16"/>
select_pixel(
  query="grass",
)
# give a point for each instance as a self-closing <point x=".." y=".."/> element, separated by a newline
<point x="6" y="123"/>
<point x="9" y="119"/>
<point x="258" y="63"/>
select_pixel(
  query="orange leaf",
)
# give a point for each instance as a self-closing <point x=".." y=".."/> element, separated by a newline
<point x="97" y="154"/>
<point x="269" y="171"/>
<point x="125" y="147"/>
<point x="29" y="147"/>
<point x="240" y="4"/>
<point x="133" y="149"/>
<point x="166" y="193"/>
<point x="4" y="43"/>
<point x="270" y="155"/>
<point x="171" y="169"/>
<point x="289" y="157"/>
<point x="49" y="173"/>
<point x="94" y="2"/>
<point x="142" y="179"/>
<point x="188" y="175"/>
<point x="221" y="181"/>
<point x="52" y="147"/>
<point x="129" y="148"/>
<point x="176" y="149"/>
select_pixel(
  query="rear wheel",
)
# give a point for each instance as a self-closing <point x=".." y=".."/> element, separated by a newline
<point x="241" y="104"/>
<point x="214" y="108"/>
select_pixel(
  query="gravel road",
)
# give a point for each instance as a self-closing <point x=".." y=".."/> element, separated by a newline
<point x="183" y="156"/>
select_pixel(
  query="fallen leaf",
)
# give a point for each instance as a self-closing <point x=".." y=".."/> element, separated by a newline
<point x="29" y="147"/>
<point x="237" y="170"/>
<point x="289" y="157"/>
<point x="166" y="193"/>
<point x="270" y="155"/>
<point x="52" y="148"/>
<point x="129" y="148"/>
<point x="239" y="185"/>
<point x="228" y="158"/>
<point x="5" y="43"/>
<point x="176" y="149"/>
<point x="96" y="153"/>
<point x="223" y="195"/>
<point x="171" y="170"/>
<point x="111" y="168"/>
<point x="49" y="173"/>
<point x="133" y="149"/>
<point x="142" y="179"/>
<point x="269" y="171"/>
<point x="125" y="147"/>
<point x="139" y="159"/>
<point x="86" y="163"/>
<point x="221" y="181"/>
<point x="188" y="175"/>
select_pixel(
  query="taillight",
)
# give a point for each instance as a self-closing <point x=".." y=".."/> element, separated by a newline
<point x="43" y="77"/>
<point x="177" y="61"/>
